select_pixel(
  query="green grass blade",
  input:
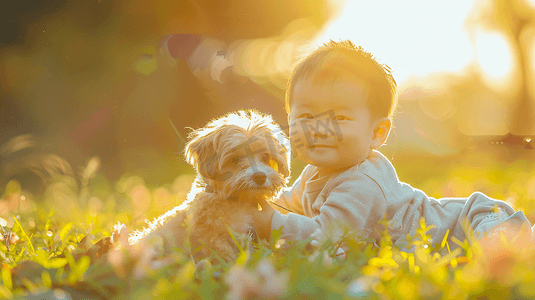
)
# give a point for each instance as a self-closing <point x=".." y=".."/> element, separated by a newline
<point x="234" y="239"/>
<point x="214" y="253"/>
<point x="24" y="235"/>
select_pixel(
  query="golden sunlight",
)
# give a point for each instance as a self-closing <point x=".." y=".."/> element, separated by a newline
<point x="416" y="38"/>
<point x="493" y="55"/>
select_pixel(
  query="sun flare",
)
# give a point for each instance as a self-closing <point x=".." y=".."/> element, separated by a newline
<point x="416" y="38"/>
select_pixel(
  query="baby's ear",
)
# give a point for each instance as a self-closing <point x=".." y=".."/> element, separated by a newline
<point x="200" y="153"/>
<point x="380" y="132"/>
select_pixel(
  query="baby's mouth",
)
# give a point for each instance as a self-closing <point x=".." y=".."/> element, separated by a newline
<point x="319" y="147"/>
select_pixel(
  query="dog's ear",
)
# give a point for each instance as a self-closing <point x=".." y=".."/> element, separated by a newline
<point x="279" y="152"/>
<point x="200" y="152"/>
<point x="279" y="147"/>
<point x="283" y="161"/>
<point x="276" y="140"/>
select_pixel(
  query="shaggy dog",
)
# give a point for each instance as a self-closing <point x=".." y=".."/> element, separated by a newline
<point x="239" y="159"/>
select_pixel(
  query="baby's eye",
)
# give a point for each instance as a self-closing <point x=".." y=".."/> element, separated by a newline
<point x="306" y="116"/>
<point x="341" y="118"/>
<point x="265" y="157"/>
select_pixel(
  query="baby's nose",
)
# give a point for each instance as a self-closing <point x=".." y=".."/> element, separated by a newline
<point x="321" y="129"/>
<point x="259" y="178"/>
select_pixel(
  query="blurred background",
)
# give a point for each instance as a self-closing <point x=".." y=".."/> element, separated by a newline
<point x="105" y="90"/>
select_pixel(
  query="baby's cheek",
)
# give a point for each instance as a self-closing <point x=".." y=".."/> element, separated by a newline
<point x="295" y="134"/>
<point x="297" y="143"/>
<point x="298" y="139"/>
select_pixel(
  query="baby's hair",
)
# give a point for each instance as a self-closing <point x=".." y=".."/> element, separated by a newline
<point x="334" y="61"/>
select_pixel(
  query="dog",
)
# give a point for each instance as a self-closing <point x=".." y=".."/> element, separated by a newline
<point x="238" y="159"/>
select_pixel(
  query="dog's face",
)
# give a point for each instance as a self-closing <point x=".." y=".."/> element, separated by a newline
<point x="243" y="152"/>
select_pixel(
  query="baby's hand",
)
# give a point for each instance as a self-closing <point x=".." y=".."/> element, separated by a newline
<point x="262" y="219"/>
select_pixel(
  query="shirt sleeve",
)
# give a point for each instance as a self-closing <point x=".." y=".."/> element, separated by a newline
<point x="291" y="198"/>
<point x="355" y="200"/>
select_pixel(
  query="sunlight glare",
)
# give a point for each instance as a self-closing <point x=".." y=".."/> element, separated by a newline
<point x="493" y="54"/>
<point x="413" y="37"/>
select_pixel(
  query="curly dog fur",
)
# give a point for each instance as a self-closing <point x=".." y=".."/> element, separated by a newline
<point x="238" y="159"/>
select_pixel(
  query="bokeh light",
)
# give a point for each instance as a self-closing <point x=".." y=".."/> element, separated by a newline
<point x="493" y="55"/>
<point x="94" y="80"/>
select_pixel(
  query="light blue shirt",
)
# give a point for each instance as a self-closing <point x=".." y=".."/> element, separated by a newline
<point x="363" y="194"/>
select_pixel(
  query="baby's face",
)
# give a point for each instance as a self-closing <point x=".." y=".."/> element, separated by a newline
<point x="331" y="126"/>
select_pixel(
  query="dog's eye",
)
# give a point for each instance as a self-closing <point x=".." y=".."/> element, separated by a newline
<point x="268" y="160"/>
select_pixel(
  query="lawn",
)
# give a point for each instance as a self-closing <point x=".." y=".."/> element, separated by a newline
<point x="64" y="243"/>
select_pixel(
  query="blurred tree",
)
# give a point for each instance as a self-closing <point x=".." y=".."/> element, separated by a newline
<point x="512" y="18"/>
<point x="16" y="15"/>
<point x="227" y="20"/>
<point x="73" y="74"/>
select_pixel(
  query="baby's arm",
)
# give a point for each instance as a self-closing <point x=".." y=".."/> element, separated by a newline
<point x="356" y="200"/>
<point x="289" y="200"/>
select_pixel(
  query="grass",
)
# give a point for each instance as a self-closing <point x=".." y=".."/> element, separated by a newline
<point x="64" y="235"/>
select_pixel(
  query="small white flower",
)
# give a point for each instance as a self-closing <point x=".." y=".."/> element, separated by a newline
<point x="361" y="286"/>
<point x="263" y="282"/>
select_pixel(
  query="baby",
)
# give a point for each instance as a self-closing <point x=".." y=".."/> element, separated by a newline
<point x="340" y="102"/>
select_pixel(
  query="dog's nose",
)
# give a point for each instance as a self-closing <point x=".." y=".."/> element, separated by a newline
<point x="259" y="178"/>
